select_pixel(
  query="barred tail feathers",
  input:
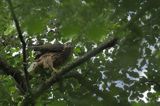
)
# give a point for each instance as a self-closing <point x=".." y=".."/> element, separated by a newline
<point x="32" y="67"/>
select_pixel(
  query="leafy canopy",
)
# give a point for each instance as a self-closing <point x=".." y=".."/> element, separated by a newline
<point x="126" y="72"/>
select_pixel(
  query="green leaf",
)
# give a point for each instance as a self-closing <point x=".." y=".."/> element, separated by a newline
<point x="35" y="24"/>
<point x="9" y="30"/>
<point x="70" y="28"/>
<point x="96" y="29"/>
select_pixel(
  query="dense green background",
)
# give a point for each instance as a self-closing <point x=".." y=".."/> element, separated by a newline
<point x="125" y="72"/>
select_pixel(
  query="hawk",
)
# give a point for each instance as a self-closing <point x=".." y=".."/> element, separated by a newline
<point x="50" y="56"/>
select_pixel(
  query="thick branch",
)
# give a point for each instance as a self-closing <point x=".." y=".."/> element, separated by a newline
<point x="54" y="78"/>
<point x="7" y="69"/>
<point x="22" y="41"/>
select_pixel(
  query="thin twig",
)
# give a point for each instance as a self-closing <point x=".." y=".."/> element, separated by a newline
<point x="22" y="41"/>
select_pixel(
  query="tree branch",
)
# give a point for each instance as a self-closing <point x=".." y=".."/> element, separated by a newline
<point x="22" y="41"/>
<point x="7" y="69"/>
<point x="54" y="78"/>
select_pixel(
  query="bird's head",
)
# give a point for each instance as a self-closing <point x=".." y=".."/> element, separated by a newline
<point x="68" y="49"/>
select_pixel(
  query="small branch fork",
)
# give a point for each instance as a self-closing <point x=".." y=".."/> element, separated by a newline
<point x="22" y="41"/>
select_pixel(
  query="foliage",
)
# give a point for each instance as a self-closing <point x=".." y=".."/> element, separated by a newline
<point x="127" y="72"/>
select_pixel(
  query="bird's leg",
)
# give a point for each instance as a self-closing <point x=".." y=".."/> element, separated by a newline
<point x="52" y="68"/>
<point x="55" y="70"/>
<point x="49" y="62"/>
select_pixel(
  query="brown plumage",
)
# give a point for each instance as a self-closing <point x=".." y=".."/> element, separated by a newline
<point x="51" y="56"/>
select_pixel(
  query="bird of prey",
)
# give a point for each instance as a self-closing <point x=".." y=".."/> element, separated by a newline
<point x="51" y="56"/>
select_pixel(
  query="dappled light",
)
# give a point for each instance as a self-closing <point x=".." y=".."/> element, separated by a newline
<point x="115" y="58"/>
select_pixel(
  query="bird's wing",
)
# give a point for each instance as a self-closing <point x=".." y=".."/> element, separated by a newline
<point x="48" y="47"/>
